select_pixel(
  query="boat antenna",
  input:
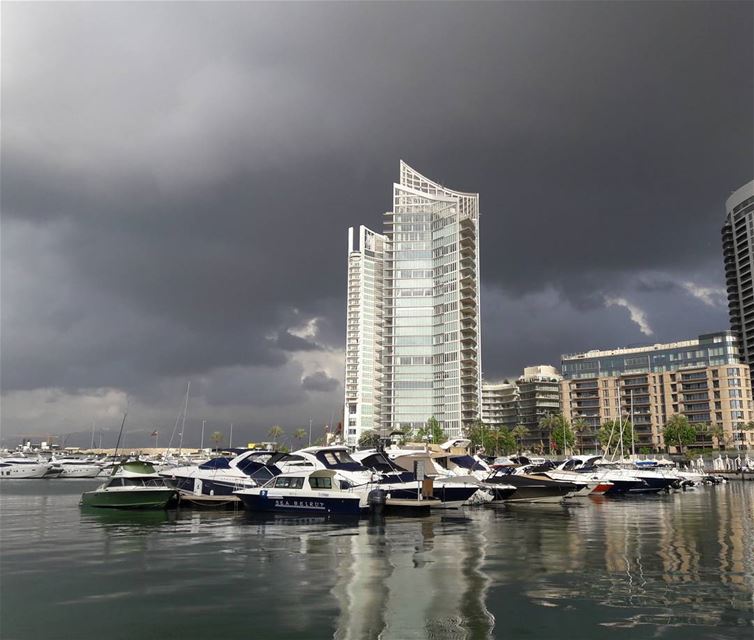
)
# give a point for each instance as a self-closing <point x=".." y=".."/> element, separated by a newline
<point x="117" y="444"/>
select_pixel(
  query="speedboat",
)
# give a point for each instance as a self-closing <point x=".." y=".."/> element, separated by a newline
<point x="134" y="485"/>
<point x="314" y="492"/>
<point x="20" y="467"/>
<point x="397" y="476"/>
<point x="531" y="488"/>
<point x="595" y="468"/>
<point x="222" y="476"/>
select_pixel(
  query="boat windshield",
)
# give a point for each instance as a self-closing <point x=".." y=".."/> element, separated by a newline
<point x="339" y="459"/>
<point x="289" y="483"/>
<point x="136" y="482"/>
<point x="215" y="463"/>
<point x="320" y="482"/>
<point x="378" y="462"/>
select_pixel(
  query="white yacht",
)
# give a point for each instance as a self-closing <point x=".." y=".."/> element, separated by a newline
<point x="77" y="467"/>
<point x="316" y="491"/>
<point x="223" y="476"/>
<point x="372" y="470"/>
<point x="20" y="467"/>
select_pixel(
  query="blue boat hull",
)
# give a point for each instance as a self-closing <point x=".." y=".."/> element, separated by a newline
<point x="279" y="504"/>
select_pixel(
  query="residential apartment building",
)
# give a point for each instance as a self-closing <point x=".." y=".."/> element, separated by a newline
<point x="702" y="379"/>
<point x="538" y="397"/>
<point x="364" y="322"/>
<point x="738" y="252"/>
<point x="426" y="315"/>
<point x="500" y="404"/>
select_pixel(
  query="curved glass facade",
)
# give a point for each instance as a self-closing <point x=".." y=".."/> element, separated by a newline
<point x="429" y="357"/>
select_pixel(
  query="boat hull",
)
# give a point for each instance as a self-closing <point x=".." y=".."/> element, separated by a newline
<point x="135" y="499"/>
<point x="345" y="505"/>
<point x="534" y="489"/>
<point x="21" y="472"/>
<point x="80" y="471"/>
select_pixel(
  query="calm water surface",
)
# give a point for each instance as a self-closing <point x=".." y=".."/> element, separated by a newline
<point x="669" y="566"/>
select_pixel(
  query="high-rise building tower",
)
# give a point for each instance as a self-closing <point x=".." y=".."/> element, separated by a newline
<point x="426" y="315"/>
<point x="738" y="250"/>
<point x="364" y="322"/>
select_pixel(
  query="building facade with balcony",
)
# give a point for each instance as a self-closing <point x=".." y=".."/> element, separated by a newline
<point x="428" y="356"/>
<point x="702" y="379"/>
<point x="500" y="404"/>
<point x="738" y="253"/>
<point x="538" y="398"/>
<point x="364" y="321"/>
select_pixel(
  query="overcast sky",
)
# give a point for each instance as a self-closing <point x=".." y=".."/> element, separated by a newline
<point x="178" y="180"/>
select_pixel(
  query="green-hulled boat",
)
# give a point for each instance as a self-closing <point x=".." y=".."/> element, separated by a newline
<point x="134" y="485"/>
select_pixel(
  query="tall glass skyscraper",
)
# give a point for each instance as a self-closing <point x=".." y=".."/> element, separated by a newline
<point x="413" y="340"/>
<point x="738" y="252"/>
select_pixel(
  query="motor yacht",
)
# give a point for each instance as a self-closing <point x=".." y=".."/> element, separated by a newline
<point x="20" y="467"/>
<point x="531" y="488"/>
<point x="317" y="491"/>
<point x="134" y="485"/>
<point x="398" y="467"/>
<point x="222" y="476"/>
<point x="77" y="468"/>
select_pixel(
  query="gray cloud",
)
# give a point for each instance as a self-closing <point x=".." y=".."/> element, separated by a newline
<point x="319" y="381"/>
<point x="178" y="178"/>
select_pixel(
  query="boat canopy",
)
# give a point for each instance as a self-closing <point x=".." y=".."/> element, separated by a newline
<point x="467" y="462"/>
<point x="216" y="463"/>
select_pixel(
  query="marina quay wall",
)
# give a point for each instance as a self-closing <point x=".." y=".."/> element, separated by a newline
<point x="702" y="379"/>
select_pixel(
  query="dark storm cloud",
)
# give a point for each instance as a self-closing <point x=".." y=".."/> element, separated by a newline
<point x="319" y="381"/>
<point x="178" y="178"/>
<point x="288" y="342"/>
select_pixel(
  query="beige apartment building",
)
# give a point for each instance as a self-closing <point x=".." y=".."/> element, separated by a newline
<point x="702" y="379"/>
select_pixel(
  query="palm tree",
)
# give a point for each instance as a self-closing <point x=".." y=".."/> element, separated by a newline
<point x="299" y="435"/>
<point x="579" y="425"/>
<point x="276" y="432"/>
<point x="217" y="438"/>
<point x="519" y="433"/>
<point x="549" y="423"/>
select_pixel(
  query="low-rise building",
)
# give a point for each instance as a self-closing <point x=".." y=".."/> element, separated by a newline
<point x="534" y="396"/>
<point x="702" y="379"/>
<point x="500" y="404"/>
<point x="539" y="397"/>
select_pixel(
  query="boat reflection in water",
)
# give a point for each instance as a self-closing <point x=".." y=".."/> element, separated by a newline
<point x="414" y="579"/>
<point x="675" y="566"/>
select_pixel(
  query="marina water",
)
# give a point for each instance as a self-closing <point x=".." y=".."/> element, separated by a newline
<point x="670" y="566"/>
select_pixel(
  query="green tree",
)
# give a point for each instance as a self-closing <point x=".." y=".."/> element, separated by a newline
<point x="678" y="432"/>
<point x="369" y="440"/>
<point x="559" y="431"/>
<point x="216" y="438"/>
<point x="276" y="432"/>
<point x="478" y="432"/>
<point x="715" y="432"/>
<point x="299" y="435"/>
<point x="519" y="432"/>
<point x="579" y="425"/>
<point x="506" y="441"/>
<point x="609" y="436"/>
<point x="431" y="432"/>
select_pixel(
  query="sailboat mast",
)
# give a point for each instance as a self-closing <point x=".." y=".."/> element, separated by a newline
<point x="183" y="424"/>
<point x="633" y="450"/>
